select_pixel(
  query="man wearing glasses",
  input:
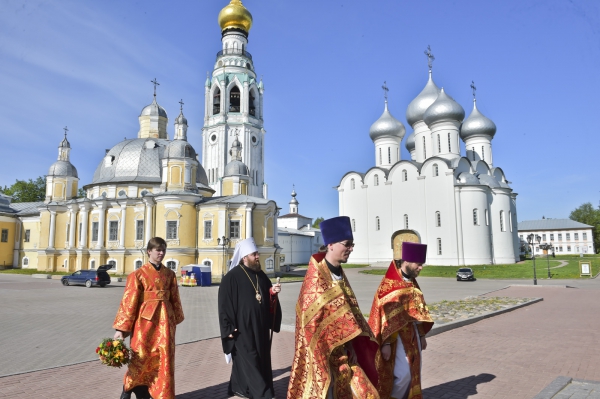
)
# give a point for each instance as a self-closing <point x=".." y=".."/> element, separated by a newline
<point x="335" y="351"/>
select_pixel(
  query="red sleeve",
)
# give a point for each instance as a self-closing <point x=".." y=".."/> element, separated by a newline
<point x="272" y="301"/>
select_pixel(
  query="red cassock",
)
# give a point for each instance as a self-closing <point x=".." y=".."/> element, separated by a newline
<point x="149" y="311"/>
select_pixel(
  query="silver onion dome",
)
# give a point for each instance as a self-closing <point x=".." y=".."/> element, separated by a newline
<point x="181" y="120"/>
<point x="63" y="169"/>
<point x="180" y="149"/>
<point x="294" y="200"/>
<point x="154" y="109"/>
<point x="477" y="124"/>
<point x="64" y="143"/>
<point x="410" y="142"/>
<point x="236" y="168"/>
<point x="419" y="105"/>
<point x="444" y="108"/>
<point x="387" y="126"/>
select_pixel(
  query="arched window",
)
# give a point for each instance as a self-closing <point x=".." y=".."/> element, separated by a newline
<point x="251" y="105"/>
<point x="25" y="262"/>
<point x="389" y="155"/>
<point x="66" y="264"/>
<point x="352" y="184"/>
<point x="234" y="99"/>
<point x="172" y="265"/>
<point x="424" y="149"/>
<point x="475" y="217"/>
<point x="449" y="145"/>
<point x="376" y="180"/>
<point x="482" y="153"/>
<point x="439" y="246"/>
<point x="404" y="175"/>
<point x="92" y="264"/>
<point x="353" y="225"/>
<point x="406" y="221"/>
<point x="473" y="152"/>
<point x="439" y="144"/>
<point x="502" y="227"/>
<point x="217" y="101"/>
<point x="438" y="219"/>
<point x="380" y="158"/>
<point x="113" y="263"/>
<point x="510" y="220"/>
<point x="436" y="170"/>
<point x="377" y="223"/>
<point x="138" y="264"/>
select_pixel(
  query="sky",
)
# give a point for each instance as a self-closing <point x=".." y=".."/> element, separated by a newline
<point x="88" y="65"/>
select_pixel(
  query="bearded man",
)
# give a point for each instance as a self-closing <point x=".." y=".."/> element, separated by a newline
<point x="335" y="351"/>
<point x="248" y="312"/>
<point x="400" y="320"/>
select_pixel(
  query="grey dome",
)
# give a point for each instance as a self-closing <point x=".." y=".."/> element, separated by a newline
<point x="468" y="178"/>
<point x="236" y="168"/>
<point x="294" y="200"/>
<point x="201" y="177"/>
<point x="137" y="160"/>
<point x="154" y="109"/>
<point x="181" y="120"/>
<point x="419" y="105"/>
<point x="477" y="124"/>
<point x="444" y="108"/>
<point x="62" y="168"/>
<point x="488" y="180"/>
<point x="410" y="142"/>
<point x="387" y="126"/>
<point x="64" y="143"/>
<point x="180" y="149"/>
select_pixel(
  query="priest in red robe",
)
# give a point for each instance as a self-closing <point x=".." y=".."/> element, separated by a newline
<point x="400" y="320"/>
<point x="149" y="311"/>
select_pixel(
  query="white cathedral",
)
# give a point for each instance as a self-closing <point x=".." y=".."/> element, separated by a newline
<point x="462" y="207"/>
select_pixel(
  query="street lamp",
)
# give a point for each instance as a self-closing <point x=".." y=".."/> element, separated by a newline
<point x="223" y="242"/>
<point x="531" y="239"/>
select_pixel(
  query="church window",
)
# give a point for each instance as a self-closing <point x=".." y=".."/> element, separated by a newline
<point x="25" y="262"/>
<point x="139" y="230"/>
<point x="353" y="225"/>
<point x="584" y="235"/>
<point x="404" y="175"/>
<point x="234" y="99"/>
<point x="576" y="249"/>
<point x="377" y="223"/>
<point x="473" y="152"/>
<point x="376" y="180"/>
<point x="406" y="221"/>
<point x="122" y="193"/>
<point x="424" y="149"/>
<point x="234" y="229"/>
<point x="568" y="236"/>
<point x="208" y="229"/>
<point x="510" y="221"/>
<point x="171" y="230"/>
<point x="252" y="109"/>
<point x="92" y="264"/>
<point x="380" y="158"/>
<point x="113" y="263"/>
<point x="172" y="265"/>
<point x="503" y="228"/>
<point x="487" y="218"/>
<point x="216" y="105"/>
<point x="543" y="237"/>
<point x="352" y="184"/>
<point x="475" y="217"/>
<point x="438" y="219"/>
<point x="4" y="235"/>
<point x="439" y="246"/>
<point x="138" y="264"/>
<point x="482" y="153"/>
<point x="254" y="139"/>
<point x="94" y="231"/>
<point x="551" y="237"/>
<point x="66" y="264"/>
<point x="389" y="155"/>
<point x="27" y="235"/>
<point x="576" y="236"/>
<point x="568" y="248"/>
<point x="113" y="230"/>
<point x="439" y="144"/>
<point x="435" y="170"/>
<point x="449" y="145"/>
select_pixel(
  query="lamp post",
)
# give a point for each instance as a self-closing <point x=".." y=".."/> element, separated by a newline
<point x="547" y="248"/>
<point x="531" y="239"/>
<point x="223" y="242"/>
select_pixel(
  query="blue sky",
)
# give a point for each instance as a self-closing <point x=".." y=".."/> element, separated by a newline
<point x="88" y="65"/>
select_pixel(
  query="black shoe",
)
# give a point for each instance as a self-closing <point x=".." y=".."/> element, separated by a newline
<point x="141" y="392"/>
<point x="125" y="395"/>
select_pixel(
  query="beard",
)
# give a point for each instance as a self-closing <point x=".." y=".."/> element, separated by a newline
<point x="253" y="265"/>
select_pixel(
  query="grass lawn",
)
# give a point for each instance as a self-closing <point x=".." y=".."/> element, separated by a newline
<point x="344" y="265"/>
<point x="30" y="272"/>
<point x="522" y="270"/>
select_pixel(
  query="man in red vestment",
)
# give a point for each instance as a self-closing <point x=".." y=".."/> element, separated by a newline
<point x="335" y="351"/>
<point x="149" y="311"/>
<point x="400" y="320"/>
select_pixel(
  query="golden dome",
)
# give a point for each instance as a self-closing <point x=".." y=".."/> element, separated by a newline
<point x="235" y="15"/>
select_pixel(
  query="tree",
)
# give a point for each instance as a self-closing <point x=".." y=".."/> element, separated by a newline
<point x="586" y="213"/>
<point x="317" y="222"/>
<point x="27" y="191"/>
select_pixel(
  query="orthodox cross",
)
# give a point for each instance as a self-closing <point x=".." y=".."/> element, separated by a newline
<point x="155" y="84"/>
<point x="474" y="88"/>
<point x="181" y="105"/>
<point x="385" y="90"/>
<point x="66" y="130"/>
<point x="430" y="57"/>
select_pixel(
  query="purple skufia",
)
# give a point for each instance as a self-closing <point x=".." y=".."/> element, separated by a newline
<point x="336" y="229"/>
<point x="413" y="252"/>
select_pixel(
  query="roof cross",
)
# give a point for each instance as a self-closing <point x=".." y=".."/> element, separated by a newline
<point x="181" y="105"/>
<point x="385" y="90"/>
<point x="474" y="88"/>
<point x="430" y="57"/>
<point x="155" y="84"/>
<point x="66" y="130"/>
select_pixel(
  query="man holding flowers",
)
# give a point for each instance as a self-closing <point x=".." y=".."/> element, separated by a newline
<point x="149" y="311"/>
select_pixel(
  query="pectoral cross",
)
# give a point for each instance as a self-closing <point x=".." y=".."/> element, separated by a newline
<point x="385" y="90"/>
<point x="430" y="57"/>
<point x="155" y="84"/>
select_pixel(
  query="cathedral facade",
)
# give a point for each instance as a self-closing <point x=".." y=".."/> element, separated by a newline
<point x="156" y="186"/>
<point x="461" y="206"/>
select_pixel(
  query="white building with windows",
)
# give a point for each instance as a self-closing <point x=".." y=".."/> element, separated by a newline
<point x="462" y="206"/>
<point x="566" y="236"/>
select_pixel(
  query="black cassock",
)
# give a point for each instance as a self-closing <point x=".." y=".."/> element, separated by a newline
<point x="250" y="348"/>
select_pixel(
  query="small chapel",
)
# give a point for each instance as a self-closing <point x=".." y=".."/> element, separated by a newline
<point x="461" y="205"/>
<point x="158" y="184"/>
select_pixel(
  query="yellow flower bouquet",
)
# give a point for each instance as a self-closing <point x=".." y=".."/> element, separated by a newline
<point x="114" y="352"/>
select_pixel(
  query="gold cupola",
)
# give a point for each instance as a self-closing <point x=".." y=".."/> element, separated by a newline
<point x="235" y="15"/>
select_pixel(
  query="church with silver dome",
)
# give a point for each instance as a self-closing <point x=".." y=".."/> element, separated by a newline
<point x="460" y="205"/>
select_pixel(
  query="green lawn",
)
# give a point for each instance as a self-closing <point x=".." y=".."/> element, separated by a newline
<point x="522" y="270"/>
<point x="30" y="272"/>
<point x="345" y="266"/>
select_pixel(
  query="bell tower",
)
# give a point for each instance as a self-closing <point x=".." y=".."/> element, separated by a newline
<point x="233" y="105"/>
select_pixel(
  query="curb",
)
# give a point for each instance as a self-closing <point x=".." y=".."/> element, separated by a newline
<point x="555" y="387"/>
<point x="461" y="323"/>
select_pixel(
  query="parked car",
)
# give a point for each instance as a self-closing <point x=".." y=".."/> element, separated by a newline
<point x="465" y="273"/>
<point x="89" y="278"/>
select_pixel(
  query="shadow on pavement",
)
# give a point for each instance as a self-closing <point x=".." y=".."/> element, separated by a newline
<point x="220" y="391"/>
<point x="458" y="389"/>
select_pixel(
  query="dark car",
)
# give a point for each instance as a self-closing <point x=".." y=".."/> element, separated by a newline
<point x="465" y="273"/>
<point x="89" y="278"/>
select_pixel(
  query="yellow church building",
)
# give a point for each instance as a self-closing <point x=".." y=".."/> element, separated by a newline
<point x="153" y="186"/>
